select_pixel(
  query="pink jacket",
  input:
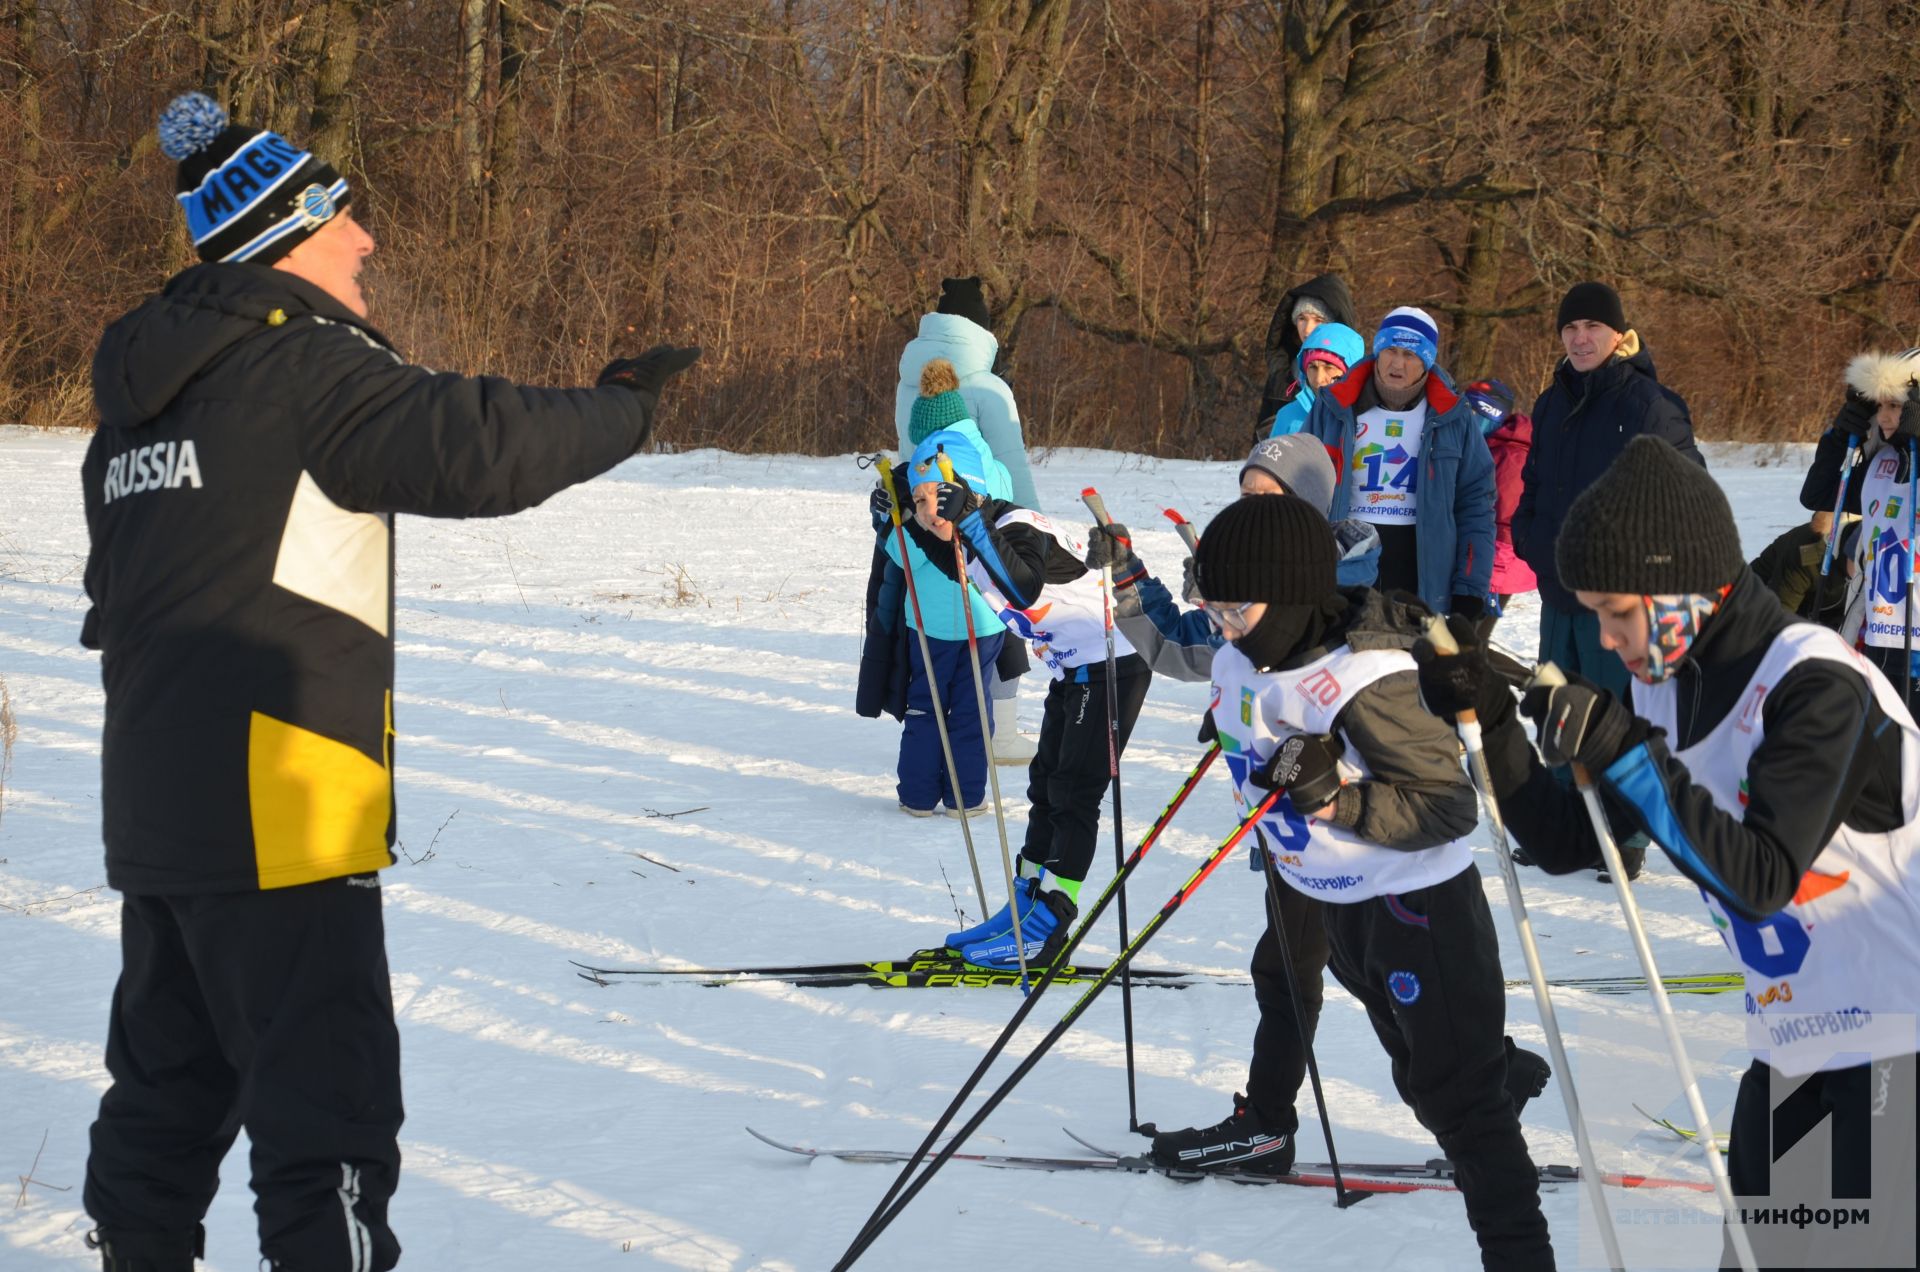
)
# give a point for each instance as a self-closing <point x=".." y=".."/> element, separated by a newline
<point x="1509" y="444"/>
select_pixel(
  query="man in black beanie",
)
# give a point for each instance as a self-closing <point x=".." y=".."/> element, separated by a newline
<point x="1769" y="761"/>
<point x="1603" y="394"/>
<point x="1314" y="692"/>
<point x="257" y="435"/>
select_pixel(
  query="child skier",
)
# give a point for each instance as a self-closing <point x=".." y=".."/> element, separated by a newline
<point x="1259" y="1133"/>
<point x="1029" y="569"/>
<point x="1777" y="769"/>
<point x="1881" y="610"/>
<point x="1314" y="692"/>
<point x="924" y="786"/>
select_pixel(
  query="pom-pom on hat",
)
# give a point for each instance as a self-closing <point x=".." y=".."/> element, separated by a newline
<point x="1273" y="548"/>
<point x="1884" y="377"/>
<point x="248" y="193"/>
<point x="1412" y="329"/>
<point x="939" y="404"/>
<point x="1654" y="524"/>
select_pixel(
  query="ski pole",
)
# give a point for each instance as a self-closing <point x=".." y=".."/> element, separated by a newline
<point x="872" y="1232"/>
<point x="1342" y="1197"/>
<point x="1098" y="507"/>
<point x="1550" y="676"/>
<point x="986" y="740"/>
<point x="1028" y="1003"/>
<point x="1913" y="492"/>
<point x="1833" y="529"/>
<point x="1185" y="527"/>
<point x="933" y="690"/>
<point x="1468" y="723"/>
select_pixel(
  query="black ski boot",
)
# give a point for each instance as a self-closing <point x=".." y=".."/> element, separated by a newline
<point x="1527" y="1074"/>
<point x="1633" y="855"/>
<point x="148" y="1252"/>
<point x="1241" y="1141"/>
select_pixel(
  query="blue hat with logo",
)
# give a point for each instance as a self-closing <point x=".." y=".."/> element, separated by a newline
<point x="1411" y="329"/>
<point x="249" y="193"/>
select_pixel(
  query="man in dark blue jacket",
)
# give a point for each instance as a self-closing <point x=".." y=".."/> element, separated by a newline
<point x="1603" y="394"/>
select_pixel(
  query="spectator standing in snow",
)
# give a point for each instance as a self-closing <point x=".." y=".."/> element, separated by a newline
<point x="1509" y="439"/>
<point x="1415" y="465"/>
<point x="1324" y="298"/>
<point x="1603" y="394"/>
<point x="1330" y="350"/>
<point x="257" y="436"/>
<point x="924" y="786"/>
<point x="1878" y="615"/>
<point x="960" y="329"/>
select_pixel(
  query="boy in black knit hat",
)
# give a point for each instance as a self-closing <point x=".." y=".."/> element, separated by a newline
<point x="1314" y="691"/>
<point x="1778" y="771"/>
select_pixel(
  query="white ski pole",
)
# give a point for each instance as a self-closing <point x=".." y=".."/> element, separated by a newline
<point x="1550" y="677"/>
<point x="1468" y="723"/>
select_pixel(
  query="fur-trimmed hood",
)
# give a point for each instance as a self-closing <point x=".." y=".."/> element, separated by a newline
<point x="1884" y="377"/>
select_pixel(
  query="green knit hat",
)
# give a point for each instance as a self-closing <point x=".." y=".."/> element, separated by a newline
<point x="939" y="404"/>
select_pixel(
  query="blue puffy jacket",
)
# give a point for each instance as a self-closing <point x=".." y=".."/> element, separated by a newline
<point x="1580" y="424"/>
<point x="1455" y="526"/>
<point x="1336" y="338"/>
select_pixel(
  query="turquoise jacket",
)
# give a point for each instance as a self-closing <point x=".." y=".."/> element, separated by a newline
<point x="939" y="596"/>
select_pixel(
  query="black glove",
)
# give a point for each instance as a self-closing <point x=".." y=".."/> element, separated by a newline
<point x="953" y="499"/>
<point x="1112" y="545"/>
<point x="1910" y="413"/>
<point x="1209" y="731"/>
<point x="1307" y="767"/>
<point x="1452" y="683"/>
<point x="880" y="504"/>
<point x="1856" y="415"/>
<point x="1468" y="607"/>
<point x="1581" y="723"/>
<point x="649" y="372"/>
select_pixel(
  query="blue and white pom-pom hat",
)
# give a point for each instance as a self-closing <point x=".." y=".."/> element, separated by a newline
<point x="249" y="193"/>
<point x="1412" y="329"/>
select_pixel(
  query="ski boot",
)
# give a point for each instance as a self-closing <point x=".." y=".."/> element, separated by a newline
<point x="1000" y="921"/>
<point x="1633" y="855"/>
<point x="149" y="1252"/>
<point x="1241" y="1141"/>
<point x="1043" y="932"/>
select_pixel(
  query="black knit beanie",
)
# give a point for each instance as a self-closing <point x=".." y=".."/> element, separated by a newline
<point x="1596" y="302"/>
<point x="1273" y="548"/>
<point x="962" y="296"/>
<point x="1654" y="524"/>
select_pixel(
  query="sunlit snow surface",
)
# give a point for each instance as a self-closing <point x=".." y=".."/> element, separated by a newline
<point x="683" y="635"/>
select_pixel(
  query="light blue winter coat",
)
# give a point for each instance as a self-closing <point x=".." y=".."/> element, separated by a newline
<point x="1454" y="529"/>
<point x="939" y="595"/>
<point x="1338" y="339"/>
<point x="971" y="348"/>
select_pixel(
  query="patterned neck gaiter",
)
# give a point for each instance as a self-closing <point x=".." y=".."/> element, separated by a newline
<point x="1673" y="624"/>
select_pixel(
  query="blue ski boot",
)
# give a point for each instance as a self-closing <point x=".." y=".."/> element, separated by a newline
<point x="1001" y="921"/>
<point x="1043" y="930"/>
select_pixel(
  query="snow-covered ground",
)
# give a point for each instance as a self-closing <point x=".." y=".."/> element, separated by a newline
<point x="627" y="736"/>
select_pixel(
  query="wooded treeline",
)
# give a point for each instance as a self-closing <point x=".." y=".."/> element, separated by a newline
<point x="786" y="181"/>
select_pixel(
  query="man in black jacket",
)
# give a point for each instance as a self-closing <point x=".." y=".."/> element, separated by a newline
<point x="1603" y="394"/>
<point x="257" y="436"/>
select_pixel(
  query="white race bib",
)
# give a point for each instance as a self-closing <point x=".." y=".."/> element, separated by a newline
<point x="1383" y="477"/>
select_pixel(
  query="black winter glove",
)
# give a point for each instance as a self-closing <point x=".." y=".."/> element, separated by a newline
<point x="1856" y="415"/>
<point x="880" y="504"/>
<point x="1112" y="545"/>
<point x="1307" y="767"/>
<point x="1910" y="413"/>
<point x="1452" y="683"/>
<point x="1581" y="723"/>
<point x="649" y="372"/>
<point x="1209" y="731"/>
<point x="953" y="499"/>
<point x="1468" y="607"/>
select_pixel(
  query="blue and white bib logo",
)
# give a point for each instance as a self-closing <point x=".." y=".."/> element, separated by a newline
<point x="1404" y="986"/>
<point x="316" y="206"/>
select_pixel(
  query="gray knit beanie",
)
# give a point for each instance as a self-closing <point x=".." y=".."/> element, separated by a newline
<point x="1654" y="524"/>
<point x="1300" y="463"/>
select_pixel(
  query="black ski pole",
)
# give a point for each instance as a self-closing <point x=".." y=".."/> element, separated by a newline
<point x="1098" y="507"/>
<point x="1833" y="528"/>
<point x="1047" y="978"/>
<point x="872" y="1231"/>
<point x="1342" y="1197"/>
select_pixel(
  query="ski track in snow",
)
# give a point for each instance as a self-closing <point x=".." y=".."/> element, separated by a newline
<point x="683" y="634"/>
